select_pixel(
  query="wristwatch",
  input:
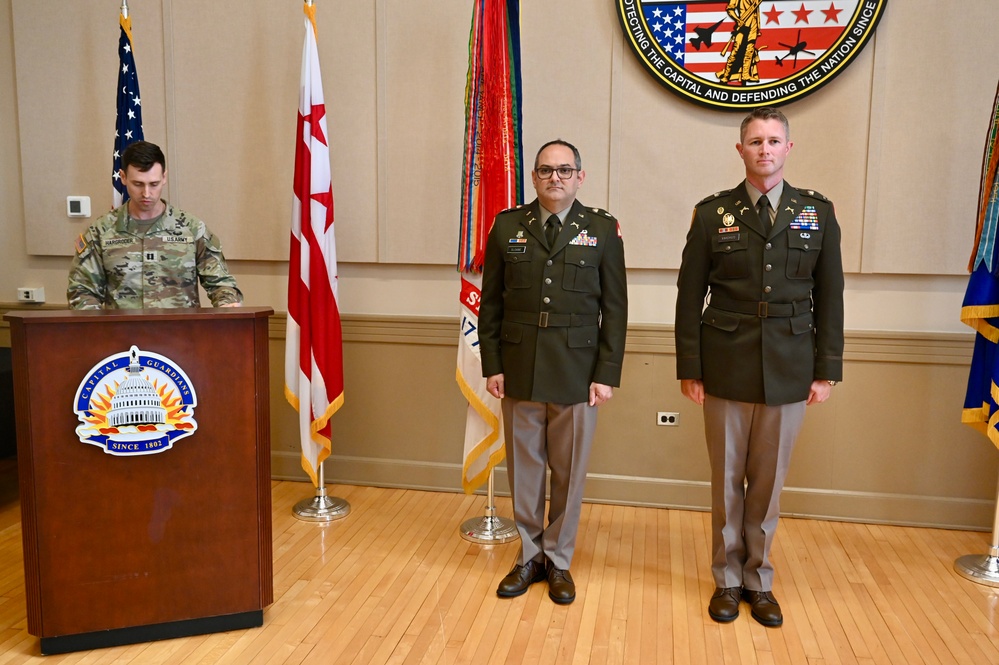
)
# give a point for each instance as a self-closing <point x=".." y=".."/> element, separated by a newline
<point x="832" y="383"/>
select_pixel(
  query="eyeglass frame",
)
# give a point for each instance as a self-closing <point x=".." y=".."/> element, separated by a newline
<point x="555" y="170"/>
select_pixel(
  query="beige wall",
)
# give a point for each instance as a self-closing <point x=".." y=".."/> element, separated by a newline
<point x="896" y="141"/>
<point x="889" y="447"/>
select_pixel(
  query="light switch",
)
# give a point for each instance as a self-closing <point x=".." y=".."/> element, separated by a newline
<point x="78" y="206"/>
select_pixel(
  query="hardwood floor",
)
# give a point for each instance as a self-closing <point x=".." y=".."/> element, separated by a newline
<point x="394" y="583"/>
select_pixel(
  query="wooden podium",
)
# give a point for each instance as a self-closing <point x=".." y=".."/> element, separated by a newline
<point x="121" y="547"/>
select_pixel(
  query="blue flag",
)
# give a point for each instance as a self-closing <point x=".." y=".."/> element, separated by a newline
<point x="981" y="299"/>
<point x="128" y="126"/>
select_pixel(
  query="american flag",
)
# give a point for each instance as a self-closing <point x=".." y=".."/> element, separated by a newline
<point x="128" y="126"/>
<point x="314" y="339"/>
<point x="793" y="33"/>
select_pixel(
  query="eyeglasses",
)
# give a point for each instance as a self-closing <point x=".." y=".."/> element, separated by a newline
<point x="564" y="172"/>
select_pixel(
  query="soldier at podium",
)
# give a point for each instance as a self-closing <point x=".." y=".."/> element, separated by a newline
<point x="146" y="253"/>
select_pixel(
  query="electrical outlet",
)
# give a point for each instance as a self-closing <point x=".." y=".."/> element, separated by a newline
<point x="668" y="418"/>
<point x="31" y="294"/>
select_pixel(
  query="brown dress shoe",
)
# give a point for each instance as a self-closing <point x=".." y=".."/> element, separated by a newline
<point x="520" y="578"/>
<point x="724" y="605"/>
<point x="765" y="608"/>
<point x="561" y="588"/>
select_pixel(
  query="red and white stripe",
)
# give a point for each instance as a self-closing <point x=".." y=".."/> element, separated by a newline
<point x="314" y="346"/>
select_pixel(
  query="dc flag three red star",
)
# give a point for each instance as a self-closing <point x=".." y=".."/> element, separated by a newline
<point x="314" y="346"/>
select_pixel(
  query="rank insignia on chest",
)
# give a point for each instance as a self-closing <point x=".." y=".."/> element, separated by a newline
<point x="150" y="255"/>
<point x="584" y="239"/>
<point x="807" y="219"/>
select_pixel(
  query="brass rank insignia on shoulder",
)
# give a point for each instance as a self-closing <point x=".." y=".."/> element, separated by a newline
<point x="712" y="197"/>
<point x="513" y="209"/>
<point x="600" y="212"/>
<point x="815" y="195"/>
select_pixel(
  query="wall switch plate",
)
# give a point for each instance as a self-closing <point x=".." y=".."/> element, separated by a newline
<point x="78" y="206"/>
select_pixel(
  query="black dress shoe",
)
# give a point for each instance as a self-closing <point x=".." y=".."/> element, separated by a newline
<point x="765" y="608"/>
<point x="561" y="588"/>
<point x="520" y="578"/>
<point x="724" y="605"/>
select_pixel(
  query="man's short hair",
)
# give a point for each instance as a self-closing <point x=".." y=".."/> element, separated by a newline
<point x="764" y="113"/>
<point x="575" y="153"/>
<point x="142" y="155"/>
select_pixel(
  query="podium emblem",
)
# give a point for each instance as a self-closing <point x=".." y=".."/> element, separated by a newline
<point x="135" y="403"/>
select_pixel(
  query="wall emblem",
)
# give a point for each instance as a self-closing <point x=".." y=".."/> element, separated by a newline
<point x="742" y="54"/>
<point x="135" y="403"/>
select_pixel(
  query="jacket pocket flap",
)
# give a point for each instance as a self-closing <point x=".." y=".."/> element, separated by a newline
<point x="717" y="318"/>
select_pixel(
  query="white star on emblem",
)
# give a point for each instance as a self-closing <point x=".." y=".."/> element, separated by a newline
<point x="678" y="11"/>
<point x="657" y="13"/>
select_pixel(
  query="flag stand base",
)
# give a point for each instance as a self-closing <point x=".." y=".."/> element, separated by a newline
<point x="983" y="568"/>
<point x="321" y="508"/>
<point x="980" y="568"/>
<point x="489" y="529"/>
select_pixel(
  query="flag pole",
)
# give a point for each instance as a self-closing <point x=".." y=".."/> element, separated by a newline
<point x="124" y="8"/>
<point x="321" y="507"/>
<point x="983" y="568"/>
<point x="489" y="529"/>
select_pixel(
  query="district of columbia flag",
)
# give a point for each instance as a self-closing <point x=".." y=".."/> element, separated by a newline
<point x="483" y="424"/>
<point x="314" y="346"/>
<point x="128" y="125"/>
<point x="491" y="181"/>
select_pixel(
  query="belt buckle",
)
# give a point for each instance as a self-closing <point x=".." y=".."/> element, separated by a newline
<point x="762" y="309"/>
<point x="543" y="320"/>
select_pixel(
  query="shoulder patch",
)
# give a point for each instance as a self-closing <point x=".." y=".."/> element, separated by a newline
<point x="80" y="244"/>
<point x="712" y="197"/>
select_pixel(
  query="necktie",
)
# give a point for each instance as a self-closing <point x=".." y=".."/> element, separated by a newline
<point x="763" y="208"/>
<point x="551" y="230"/>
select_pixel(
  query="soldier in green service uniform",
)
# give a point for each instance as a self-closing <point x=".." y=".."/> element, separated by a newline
<point x="769" y="342"/>
<point x="552" y="327"/>
<point x="147" y="254"/>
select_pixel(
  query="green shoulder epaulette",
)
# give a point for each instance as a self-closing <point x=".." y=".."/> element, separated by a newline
<point x="600" y="212"/>
<point x="815" y="195"/>
<point x="515" y="208"/>
<point x="712" y="197"/>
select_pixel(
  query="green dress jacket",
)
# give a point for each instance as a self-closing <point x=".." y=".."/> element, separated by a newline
<point x="774" y="316"/>
<point x="553" y="321"/>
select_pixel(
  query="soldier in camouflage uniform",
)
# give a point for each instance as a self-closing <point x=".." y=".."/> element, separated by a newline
<point x="146" y="253"/>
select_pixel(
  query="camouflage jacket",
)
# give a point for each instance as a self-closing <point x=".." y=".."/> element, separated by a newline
<point x="117" y="266"/>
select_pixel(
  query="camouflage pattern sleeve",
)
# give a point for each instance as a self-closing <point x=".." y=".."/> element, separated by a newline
<point x="87" y="282"/>
<point x="213" y="272"/>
